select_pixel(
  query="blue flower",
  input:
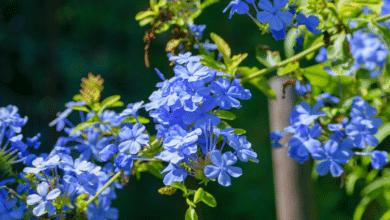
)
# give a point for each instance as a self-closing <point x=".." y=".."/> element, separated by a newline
<point x="110" y="119"/>
<point x="175" y="174"/>
<point x="8" y="213"/>
<point x="239" y="7"/>
<point x="378" y="159"/>
<point x="9" y="117"/>
<point x="103" y="211"/>
<point x="33" y="142"/>
<point x="222" y="167"/>
<point x="79" y="166"/>
<point x="193" y="71"/>
<point x="132" y="139"/>
<point x="226" y="94"/>
<point x="44" y="199"/>
<point x="123" y="161"/>
<point x="328" y="96"/>
<point x="185" y="58"/>
<point x="310" y="22"/>
<point x="244" y="152"/>
<point x="108" y="152"/>
<point x="304" y="143"/>
<point x="79" y="103"/>
<point x="61" y="119"/>
<point x="280" y="34"/>
<point x="302" y="89"/>
<point x="321" y="57"/>
<point x="200" y="115"/>
<point x="41" y="164"/>
<point x="197" y="30"/>
<point x="179" y="144"/>
<point x="306" y="114"/>
<point x="132" y="109"/>
<point x="332" y="155"/>
<point x="94" y="144"/>
<point x="275" y="138"/>
<point x="272" y="14"/>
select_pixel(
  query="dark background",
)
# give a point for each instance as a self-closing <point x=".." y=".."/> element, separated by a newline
<point x="46" y="47"/>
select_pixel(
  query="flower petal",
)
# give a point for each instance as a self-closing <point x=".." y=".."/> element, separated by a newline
<point x="280" y="4"/>
<point x="42" y="189"/>
<point x="53" y="194"/>
<point x="286" y="16"/>
<point x="33" y="199"/>
<point x="39" y="209"/>
<point x="266" y="5"/>
<point x="224" y="179"/>
<point x="264" y="16"/>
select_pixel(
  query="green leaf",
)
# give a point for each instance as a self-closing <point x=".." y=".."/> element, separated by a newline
<point x="144" y="14"/>
<point x="191" y="214"/>
<point x="266" y="57"/>
<point x="262" y="84"/>
<point x="153" y="3"/>
<point x="81" y="108"/>
<point x="209" y="200"/>
<point x="310" y="41"/>
<point x="106" y="103"/>
<point x="223" y="47"/>
<point x="172" y="44"/>
<point x="383" y="132"/>
<point x="222" y="125"/>
<point x="198" y="195"/>
<point x="338" y="49"/>
<point x="237" y="59"/>
<point x="82" y="126"/>
<point x="223" y="114"/>
<point x="289" y="42"/>
<point x="145" y="21"/>
<point x="239" y="131"/>
<point x="131" y="119"/>
<point x="78" y="97"/>
<point x="291" y="67"/>
<point x="212" y="63"/>
<point x="381" y="32"/>
<point x="180" y="186"/>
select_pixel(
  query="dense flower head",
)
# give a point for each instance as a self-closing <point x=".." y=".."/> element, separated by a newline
<point x="367" y="51"/>
<point x="356" y="131"/>
<point x="186" y="108"/>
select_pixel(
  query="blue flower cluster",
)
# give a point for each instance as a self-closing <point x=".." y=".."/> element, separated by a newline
<point x="368" y="51"/>
<point x="185" y="109"/>
<point x="10" y="127"/>
<point x="337" y="140"/>
<point x="274" y="15"/>
<point x="50" y="179"/>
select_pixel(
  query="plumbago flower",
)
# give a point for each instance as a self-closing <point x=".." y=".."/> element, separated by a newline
<point x="186" y="109"/>
<point x="354" y="132"/>
<point x="277" y="18"/>
<point x="44" y="199"/>
<point x="55" y="183"/>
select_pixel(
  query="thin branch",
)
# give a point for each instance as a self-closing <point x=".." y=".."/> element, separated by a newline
<point x="104" y="187"/>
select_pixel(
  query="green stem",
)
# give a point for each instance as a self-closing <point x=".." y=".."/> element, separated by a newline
<point x="298" y="56"/>
<point x="104" y="187"/>
<point x="285" y="62"/>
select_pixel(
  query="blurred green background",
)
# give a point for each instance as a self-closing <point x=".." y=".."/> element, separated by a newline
<point x="46" y="47"/>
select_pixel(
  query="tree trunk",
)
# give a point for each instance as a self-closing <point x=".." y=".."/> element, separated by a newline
<point x="293" y="188"/>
